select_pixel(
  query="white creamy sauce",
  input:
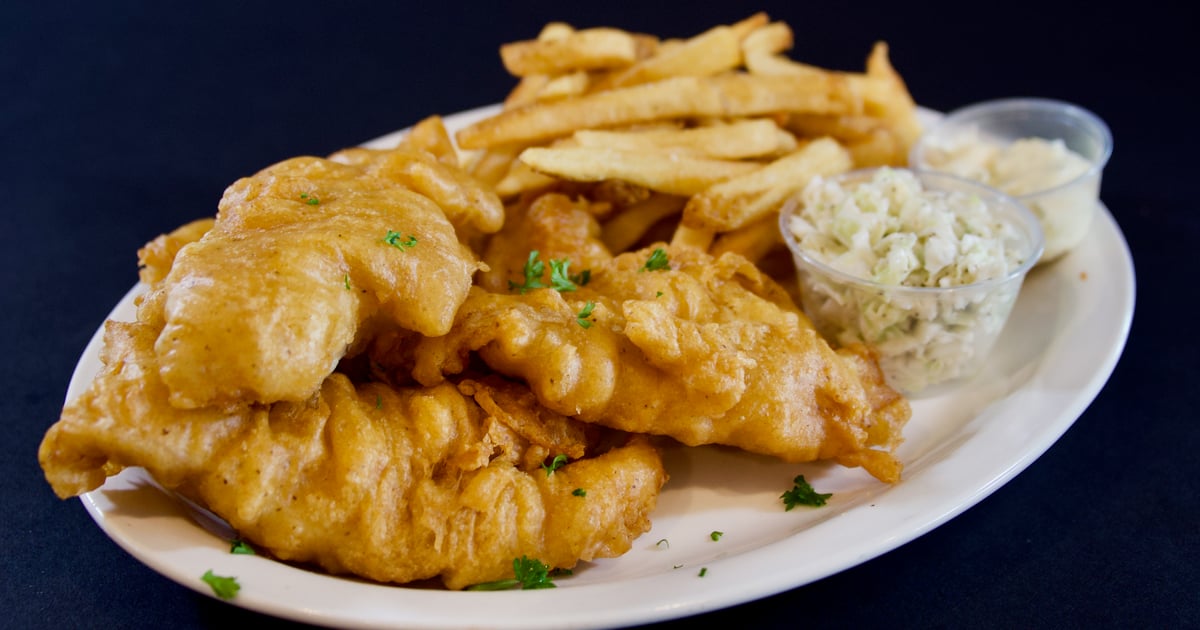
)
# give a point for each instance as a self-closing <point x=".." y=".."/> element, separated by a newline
<point x="1031" y="169"/>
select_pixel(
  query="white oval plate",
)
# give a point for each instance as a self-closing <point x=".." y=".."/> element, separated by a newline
<point x="1066" y="334"/>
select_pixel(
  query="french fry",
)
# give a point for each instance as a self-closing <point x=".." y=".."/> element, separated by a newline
<point x="752" y="241"/>
<point x="587" y="49"/>
<point x="490" y="166"/>
<point x="630" y="224"/>
<point x="750" y="138"/>
<point x="679" y="175"/>
<point x="742" y="200"/>
<point x="520" y="179"/>
<point x="430" y="135"/>
<point x="891" y="98"/>
<point x="696" y="238"/>
<point x="714" y="51"/>
<point x="768" y="39"/>
<point x="729" y="95"/>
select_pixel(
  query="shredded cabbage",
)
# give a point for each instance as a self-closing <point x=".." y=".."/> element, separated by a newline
<point x="891" y="230"/>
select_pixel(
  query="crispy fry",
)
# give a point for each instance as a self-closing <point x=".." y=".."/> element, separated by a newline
<point x="742" y="200"/>
<point x="752" y="241"/>
<point x="716" y="50"/>
<point x="768" y="39"/>
<point x="430" y="135"/>
<point x="678" y="176"/>
<point x="625" y="229"/>
<point x="738" y="140"/>
<point x="587" y="49"/>
<point x="695" y="238"/>
<point x="728" y="95"/>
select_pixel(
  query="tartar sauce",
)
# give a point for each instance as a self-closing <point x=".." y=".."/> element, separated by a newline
<point x="1030" y="169"/>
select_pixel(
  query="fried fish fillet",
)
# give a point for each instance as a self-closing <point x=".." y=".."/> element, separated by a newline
<point x="706" y="351"/>
<point x="304" y="260"/>
<point x="393" y="485"/>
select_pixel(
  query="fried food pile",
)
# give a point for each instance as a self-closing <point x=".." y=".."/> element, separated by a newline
<point x="422" y="362"/>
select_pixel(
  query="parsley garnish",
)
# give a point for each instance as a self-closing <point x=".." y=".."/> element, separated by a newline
<point x="240" y="547"/>
<point x="585" y="313"/>
<point x="346" y="281"/>
<point x="224" y="587"/>
<point x="529" y="574"/>
<point x="657" y="261"/>
<point x="662" y="542"/>
<point x="703" y="571"/>
<point x="310" y="199"/>
<point x="803" y="494"/>
<point x="397" y="240"/>
<point x="534" y="269"/>
<point x="716" y="535"/>
<point x="554" y="464"/>
<point x="561" y="279"/>
<point x="579" y="492"/>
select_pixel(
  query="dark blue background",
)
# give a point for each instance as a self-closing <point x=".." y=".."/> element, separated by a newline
<point x="122" y="120"/>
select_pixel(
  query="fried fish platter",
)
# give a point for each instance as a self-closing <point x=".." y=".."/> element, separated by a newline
<point x="390" y="484"/>
<point x="304" y="260"/>
<point x="672" y="341"/>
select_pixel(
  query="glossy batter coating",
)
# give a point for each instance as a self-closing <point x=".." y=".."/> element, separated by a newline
<point x="706" y="351"/>
<point x="394" y="485"/>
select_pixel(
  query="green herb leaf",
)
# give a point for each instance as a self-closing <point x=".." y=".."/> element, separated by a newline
<point x="803" y="494"/>
<point x="585" y="313"/>
<point x="560" y="277"/>
<point x="529" y="574"/>
<point x="582" y="278"/>
<point x="240" y="547"/>
<point x="397" y="240"/>
<point x="310" y="199"/>
<point x="346" y="281"/>
<point x="703" y="571"/>
<point x="716" y="535"/>
<point x="556" y="463"/>
<point x="662" y="542"/>
<point x="534" y="269"/>
<point x="657" y="261"/>
<point x="224" y="587"/>
<point x="579" y="492"/>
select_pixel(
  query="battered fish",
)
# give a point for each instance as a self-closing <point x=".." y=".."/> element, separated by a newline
<point x="394" y="485"/>
<point x="304" y="262"/>
<point x="704" y="350"/>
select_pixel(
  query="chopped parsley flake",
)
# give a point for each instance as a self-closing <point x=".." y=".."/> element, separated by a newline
<point x="585" y="313"/>
<point x="240" y="547"/>
<point x="534" y="269"/>
<point x="310" y="199"/>
<point x="657" y="261"/>
<point x="224" y="587"/>
<point x="579" y="492"/>
<point x="528" y="573"/>
<point x="556" y="463"/>
<point x="346" y="281"/>
<point x="397" y="240"/>
<point x="662" y="542"/>
<point x="803" y="494"/>
<point x="716" y="535"/>
<point x="561" y="278"/>
<point x="703" y="571"/>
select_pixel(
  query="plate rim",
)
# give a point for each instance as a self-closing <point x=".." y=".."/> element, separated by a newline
<point x="675" y="597"/>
